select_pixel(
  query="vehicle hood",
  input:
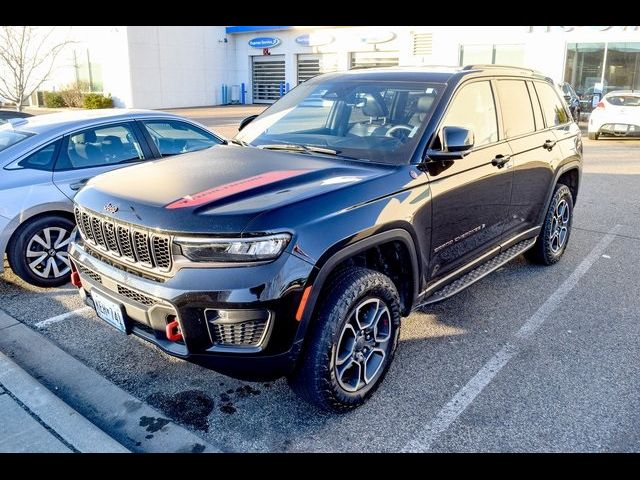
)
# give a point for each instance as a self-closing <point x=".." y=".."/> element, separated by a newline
<point x="219" y="190"/>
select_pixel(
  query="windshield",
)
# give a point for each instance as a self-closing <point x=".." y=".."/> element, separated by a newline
<point x="624" y="100"/>
<point x="379" y="121"/>
<point x="9" y="137"/>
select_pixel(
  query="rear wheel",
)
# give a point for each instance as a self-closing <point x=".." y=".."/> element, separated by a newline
<point x="38" y="251"/>
<point x="352" y="341"/>
<point x="554" y="237"/>
<point x="593" y="136"/>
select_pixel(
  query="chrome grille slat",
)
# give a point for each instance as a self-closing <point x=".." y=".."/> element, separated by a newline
<point x="142" y="248"/>
<point x="96" y="225"/>
<point x="126" y="246"/>
<point x="138" y="246"/>
<point x="110" y="238"/>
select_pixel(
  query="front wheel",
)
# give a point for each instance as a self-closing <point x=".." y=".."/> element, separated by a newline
<point x="38" y="252"/>
<point x="554" y="237"/>
<point x="351" y="343"/>
<point x="593" y="136"/>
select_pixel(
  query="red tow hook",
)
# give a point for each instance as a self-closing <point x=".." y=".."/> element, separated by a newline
<point x="173" y="331"/>
<point x="75" y="280"/>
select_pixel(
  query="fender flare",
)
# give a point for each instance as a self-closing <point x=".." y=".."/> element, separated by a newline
<point x="573" y="165"/>
<point x="317" y="284"/>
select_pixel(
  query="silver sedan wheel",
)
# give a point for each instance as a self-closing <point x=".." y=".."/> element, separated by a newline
<point x="559" y="226"/>
<point x="363" y="345"/>
<point x="47" y="255"/>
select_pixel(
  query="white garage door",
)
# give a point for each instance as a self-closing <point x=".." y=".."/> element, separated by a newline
<point x="310" y="65"/>
<point x="267" y="76"/>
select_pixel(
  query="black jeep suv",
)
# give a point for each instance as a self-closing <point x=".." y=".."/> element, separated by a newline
<point x="295" y="249"/>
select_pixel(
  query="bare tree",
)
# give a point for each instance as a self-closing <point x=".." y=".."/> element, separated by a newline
<point x="27" y="58"/>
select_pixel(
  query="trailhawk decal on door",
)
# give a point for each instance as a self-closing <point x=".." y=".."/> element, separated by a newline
<point x="232" y="188"/>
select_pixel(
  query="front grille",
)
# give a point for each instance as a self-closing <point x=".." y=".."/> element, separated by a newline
<point x="96" y="277"/>
<point x="141" y="247"/>
<point x="135" y="296"/>
<point x="245" y="334"/>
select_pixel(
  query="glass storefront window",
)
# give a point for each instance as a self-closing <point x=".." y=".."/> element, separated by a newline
<point x="622" y="71"/>
<point x="509" y="55"/>
<point x="583" y="66"/>
<point x="476" y="54"/>
<point x="492" y="54"/>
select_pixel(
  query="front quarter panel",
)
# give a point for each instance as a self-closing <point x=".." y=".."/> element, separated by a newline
<point x="24" y="194"/>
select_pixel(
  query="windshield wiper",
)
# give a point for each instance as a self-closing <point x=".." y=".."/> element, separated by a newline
<point x="299" y="148"/>
<point x="239" y="142"/>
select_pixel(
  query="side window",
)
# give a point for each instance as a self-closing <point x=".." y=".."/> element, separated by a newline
<point x="43" y="159"/>
<point x="552" y="107"/>
<point x="100" y="147"/>
<point x="537" y="112"/>
<point x="474" y="108"/>
<point x="517" y="114"/>
<point x="173" y="137"/>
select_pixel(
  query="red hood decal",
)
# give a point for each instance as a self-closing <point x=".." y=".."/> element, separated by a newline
<point x="216" y="193"/>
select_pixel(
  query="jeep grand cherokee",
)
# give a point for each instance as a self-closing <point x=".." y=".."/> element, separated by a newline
<point x="295" y="248"/>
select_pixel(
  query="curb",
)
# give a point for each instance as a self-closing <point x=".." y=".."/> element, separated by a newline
<point x="133" y="423"/>
<point x="76" y="431"/>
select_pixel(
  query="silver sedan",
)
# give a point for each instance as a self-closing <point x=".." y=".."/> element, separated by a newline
<point x="46" y="159"/>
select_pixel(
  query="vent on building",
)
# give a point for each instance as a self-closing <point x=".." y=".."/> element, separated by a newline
<point x="422" y="44"/>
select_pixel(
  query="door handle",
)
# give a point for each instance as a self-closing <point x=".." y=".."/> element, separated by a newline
<point x="549" y="144"/>
<point x="79" y="184"/>
<point x="500" y="160"/>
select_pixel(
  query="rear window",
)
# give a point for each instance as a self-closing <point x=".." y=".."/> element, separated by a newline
<point x="10" y="137"/>
<point x="624" y="100"/>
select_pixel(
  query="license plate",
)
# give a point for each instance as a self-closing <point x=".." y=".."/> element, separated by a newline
<point x="109" y="311"/>
<point x="619" y="127"/>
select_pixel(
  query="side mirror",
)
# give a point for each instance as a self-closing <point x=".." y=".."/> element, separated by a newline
<point x="457" y="142"/>
<point x="246" y="121"/>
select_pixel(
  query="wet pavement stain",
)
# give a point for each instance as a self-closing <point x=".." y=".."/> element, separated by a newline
<point x="191" y="407"/>
<point x="228" y="408"/>
<point x="153" y="424"/>
<point x="198" y="448"/>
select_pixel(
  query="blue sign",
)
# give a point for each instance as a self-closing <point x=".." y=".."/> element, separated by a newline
<point x="314" y="39"/>
<point x="264" y="42"/>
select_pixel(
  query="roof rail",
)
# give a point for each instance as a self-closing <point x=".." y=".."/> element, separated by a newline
<point x="511" y="67"/>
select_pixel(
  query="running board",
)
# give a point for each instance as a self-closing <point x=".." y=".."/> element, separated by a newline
<point x="479" y="272"/>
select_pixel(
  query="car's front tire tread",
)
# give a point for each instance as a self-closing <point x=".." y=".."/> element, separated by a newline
<point x="313" y="379"/>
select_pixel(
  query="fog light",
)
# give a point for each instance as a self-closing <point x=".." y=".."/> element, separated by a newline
<point x="238" y="328"/>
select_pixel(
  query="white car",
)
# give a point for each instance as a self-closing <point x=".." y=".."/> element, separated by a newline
<point x="617" y="114"/>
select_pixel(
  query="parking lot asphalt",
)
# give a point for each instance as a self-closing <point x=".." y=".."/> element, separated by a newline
<point x="571" y="385"/>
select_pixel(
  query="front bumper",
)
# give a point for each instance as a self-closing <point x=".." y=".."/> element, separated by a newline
<point x="5" y="235"/>
<point x="204" y="301"/>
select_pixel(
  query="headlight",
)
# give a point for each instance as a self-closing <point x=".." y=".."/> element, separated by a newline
<point x="254" y="249"/>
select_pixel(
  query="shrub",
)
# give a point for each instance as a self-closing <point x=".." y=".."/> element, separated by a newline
<point x="53" y="100"/>
<point x="72" y="94"/>
<point x="95" y="100"/>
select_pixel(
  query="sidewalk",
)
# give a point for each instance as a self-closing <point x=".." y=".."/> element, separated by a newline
<point x="34" y="420"/>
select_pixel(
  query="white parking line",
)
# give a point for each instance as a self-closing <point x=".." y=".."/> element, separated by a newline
<point x="467" y="394"/>
<point x="61" y="317"/>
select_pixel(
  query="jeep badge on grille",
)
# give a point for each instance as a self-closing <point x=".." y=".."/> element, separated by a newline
<point x="111" y="208"/>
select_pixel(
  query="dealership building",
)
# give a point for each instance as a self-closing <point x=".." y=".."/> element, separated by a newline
<point x="165" y="67"/>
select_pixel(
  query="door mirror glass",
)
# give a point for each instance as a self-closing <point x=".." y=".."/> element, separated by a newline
<point x="246" y="121"/>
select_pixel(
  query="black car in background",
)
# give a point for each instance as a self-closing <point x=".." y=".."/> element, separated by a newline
<point x="572" y="99"/>
<point x="6" y="114"/>
<point x="295" y="249"/>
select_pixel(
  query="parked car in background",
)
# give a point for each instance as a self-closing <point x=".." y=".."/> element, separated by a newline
<point x="46" y="159"/>
<point x="298" y="255"/>
<point x="572" y="99"/>
<point x="5" y="115"/>
<point x="617" y="114"/>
